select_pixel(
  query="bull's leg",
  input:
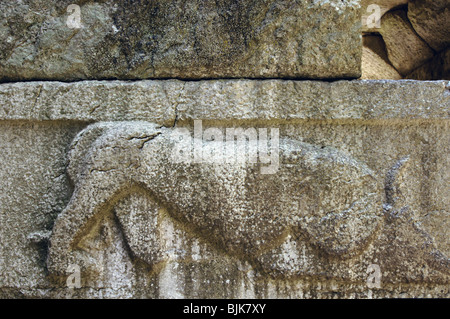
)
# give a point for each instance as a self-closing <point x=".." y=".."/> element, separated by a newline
<point x="92" y="196"/>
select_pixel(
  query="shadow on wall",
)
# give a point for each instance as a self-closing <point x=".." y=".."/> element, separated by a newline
<point x="406" y="39"/>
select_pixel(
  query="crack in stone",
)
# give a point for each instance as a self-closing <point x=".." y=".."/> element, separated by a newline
<point x="177" y="103"/>
<point x="38" y="95"/>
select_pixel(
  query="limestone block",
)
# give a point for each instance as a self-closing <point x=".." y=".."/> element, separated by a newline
<point x="106" y="188"/>
<point x="431" y="21"/>
<point x="171" y="101"/>
<point x="186" y="39"/>
<point x="405" y="49"/>
<point x="375" y="63"/>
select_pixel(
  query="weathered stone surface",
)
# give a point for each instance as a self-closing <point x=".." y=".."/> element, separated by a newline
<point x="436" y="69"/>
<point x="40" y="40"/>
<point x="431" y="20"/>
<point x="218" y="197"/>
<point x="169" y="101"/>
<point x="375" y="63"/>
<point x="405" y="49"/>
<point x="389" y="137"/>
<point x="91" y="100"/>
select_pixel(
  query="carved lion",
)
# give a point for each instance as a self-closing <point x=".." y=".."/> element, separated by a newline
<point x="321" y="192"/>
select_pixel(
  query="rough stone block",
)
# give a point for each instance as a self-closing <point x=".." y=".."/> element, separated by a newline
<point x="357" y="206"/>
<point x="185" y="39"/>
<point x="431" y="20"/>
<point x="406" y="50"/>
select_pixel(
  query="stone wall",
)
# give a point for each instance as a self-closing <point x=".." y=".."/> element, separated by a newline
<point x="407" y="39"/>
<point x="215" y="149"/>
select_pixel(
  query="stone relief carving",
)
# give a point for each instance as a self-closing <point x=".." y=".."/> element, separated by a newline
<point x="322" y="207"/>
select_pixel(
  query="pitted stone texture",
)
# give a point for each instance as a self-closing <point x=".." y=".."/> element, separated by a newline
<point x="180" y="39"/>
<point x="405" y="246"/>
<point x="170" y="101"/>
<point x="397" y="129"/>
<point x="328" y="195"/>
<point x="37" y="151"/>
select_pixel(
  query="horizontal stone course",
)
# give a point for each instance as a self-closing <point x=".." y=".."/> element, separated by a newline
<point x="185" y="39"/>
<point x="169" y="100"/>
